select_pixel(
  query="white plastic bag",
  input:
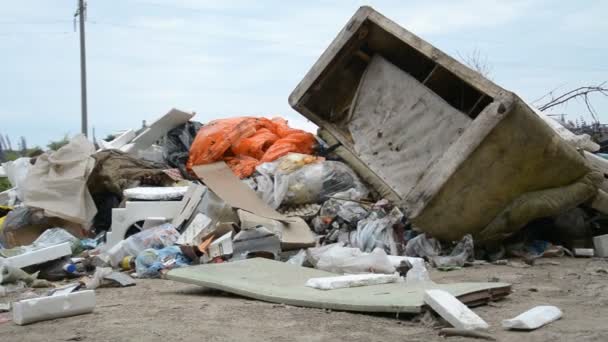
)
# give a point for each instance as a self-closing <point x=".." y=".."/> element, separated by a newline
<point x="352" y="261"/>
<point x="16" y="172"/>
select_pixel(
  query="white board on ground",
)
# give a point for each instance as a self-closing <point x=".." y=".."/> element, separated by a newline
<point x="453" y="311"/>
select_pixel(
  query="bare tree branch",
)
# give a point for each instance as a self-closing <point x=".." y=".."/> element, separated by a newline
<point x="477" y="62"/>
<point x="582" y="92"/>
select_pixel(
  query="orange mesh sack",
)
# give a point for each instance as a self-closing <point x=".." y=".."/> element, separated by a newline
<point x="245" y="142"/>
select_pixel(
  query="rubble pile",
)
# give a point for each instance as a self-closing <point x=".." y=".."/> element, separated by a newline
<point x="386" y="187"/>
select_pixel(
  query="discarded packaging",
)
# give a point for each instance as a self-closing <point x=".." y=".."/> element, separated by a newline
<point x="533" y="318"/>
<point x="221" y="246"/>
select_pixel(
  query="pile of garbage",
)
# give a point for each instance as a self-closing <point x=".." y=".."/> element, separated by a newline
<point x="179" y="193"/>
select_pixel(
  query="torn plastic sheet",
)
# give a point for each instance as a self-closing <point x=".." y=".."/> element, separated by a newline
<point x="311" y="183"/>
<point x="376" y="231"/>
<point x="431" y="249"/>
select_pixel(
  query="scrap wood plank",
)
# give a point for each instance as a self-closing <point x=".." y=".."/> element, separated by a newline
<point x="283" y="283"/>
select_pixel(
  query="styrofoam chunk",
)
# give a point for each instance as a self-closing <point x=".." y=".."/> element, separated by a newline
<point x="453" y="310"/>
<point x="51" y="307"/>
<point x="351" y="280"/>
<point x="40" y="256"/>
<point x="601" y="245"/>
<point x="533" y="318"/>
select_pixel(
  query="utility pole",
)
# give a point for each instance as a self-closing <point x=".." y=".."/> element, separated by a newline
<point x="81" y="14"/>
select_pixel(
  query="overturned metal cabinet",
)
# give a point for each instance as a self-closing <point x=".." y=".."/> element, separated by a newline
<point x="460" y="153"/>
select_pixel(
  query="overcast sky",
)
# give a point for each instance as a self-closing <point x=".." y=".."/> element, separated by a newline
<point x="227" y="58"/>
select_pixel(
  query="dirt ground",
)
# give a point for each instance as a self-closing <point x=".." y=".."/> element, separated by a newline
<point x="161" y="310"/>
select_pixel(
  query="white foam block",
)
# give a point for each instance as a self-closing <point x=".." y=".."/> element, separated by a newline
<point x="51" y="307"/>
<point x="583" y="252"/>
<point x="40" y="256"/>
<point x="453" y="310"/>
<point x="351" y="280"/>
<point x="533" y="318"/>
<point x="601" y="245"/>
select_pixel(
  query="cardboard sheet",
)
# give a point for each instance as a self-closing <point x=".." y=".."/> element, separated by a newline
<point x="279" y="282"/>
<point x="294" y="232"/>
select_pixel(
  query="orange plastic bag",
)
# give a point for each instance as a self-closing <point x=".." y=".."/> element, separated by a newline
<point x="246" y="142"/>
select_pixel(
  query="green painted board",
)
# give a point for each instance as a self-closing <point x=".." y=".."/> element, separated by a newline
<point x="283" y="283"/>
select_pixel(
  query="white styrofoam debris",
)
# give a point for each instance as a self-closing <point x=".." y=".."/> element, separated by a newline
<point x="39" y="256"/>
<point x="583" y="252"/>
<point x="351" y="280"/>
<point x="51" y="307"/>
<point x="600" y="243"/>
<point x="453" y="310"/>
<point x="155" y="193"/>
<point x="533" y="318"/>
<point x="192" y="233"/>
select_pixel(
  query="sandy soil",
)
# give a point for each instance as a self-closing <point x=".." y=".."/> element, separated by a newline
<point x="161" y="310"/>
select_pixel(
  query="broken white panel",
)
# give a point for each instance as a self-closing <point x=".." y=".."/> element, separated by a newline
<point x="193" y="233"/>
<point x="601" y="245"/>
<point x="351" y="280"/>
<point x="119" y="141"/>
<point x="123" y="218"/>
<point x="533" y="318"/>
<point x="221" y="246"/>
<point x="152" y="222"/>
<point x="157" y="129"/>
<point x="453" y="310"/>
<point x="155" y="193"/>
<point x="192" y="197"/>
<point x="39" y="256"/>
<point x="51" y="307"/>
<point x="582" y="141"/>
